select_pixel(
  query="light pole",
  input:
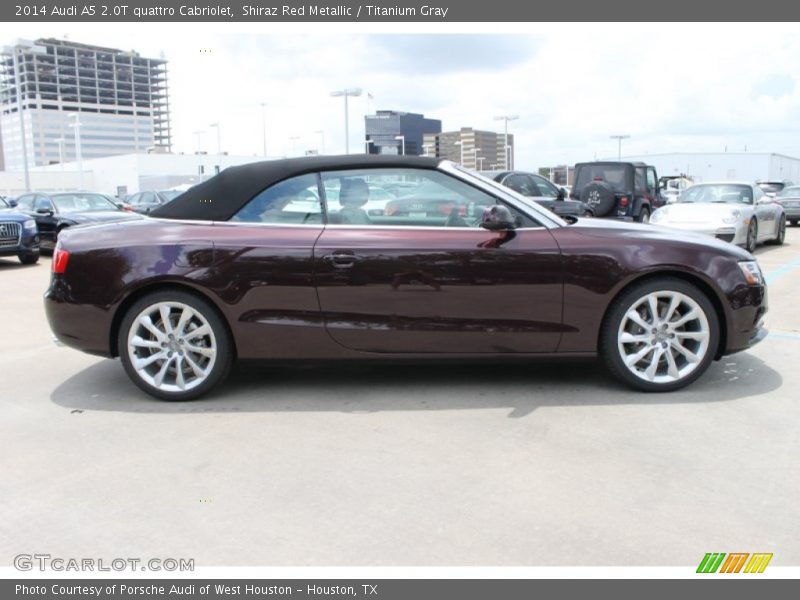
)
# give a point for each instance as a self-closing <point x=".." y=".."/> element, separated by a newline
<point x="402" y="140"/>
<point x="475" y="157"/>
<point x="506" y="119"/>
<point x="264" y="126"/>
<point x="78" y="152"/>
<point x="479" y="160"/>
<point x="509" y="157"/>
<point x="321" y="135"/>
<point x="60" y="141"/>
<point x="619" y="139"/>
<point x="199" y="133"/>
<point x="346" y="93"/>
<point x="367" y="144"/>
<point x="18" y="85"/>
<point x="219" y="138"/>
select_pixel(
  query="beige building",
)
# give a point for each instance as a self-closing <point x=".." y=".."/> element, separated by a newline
<point x="472" y="148"/>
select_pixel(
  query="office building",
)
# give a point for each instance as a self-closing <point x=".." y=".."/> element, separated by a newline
<point x="474" y="149"/>
<point x="116" y="100"/>
<point x="394" y="132"/>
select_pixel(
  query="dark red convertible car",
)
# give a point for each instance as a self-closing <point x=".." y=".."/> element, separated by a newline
<point x="251" y="265"/>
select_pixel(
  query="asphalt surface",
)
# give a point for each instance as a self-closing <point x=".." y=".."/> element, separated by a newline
<point x="400" y="465"/>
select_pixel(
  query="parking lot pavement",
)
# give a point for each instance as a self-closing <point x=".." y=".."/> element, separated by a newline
<point x="402" y="465"/>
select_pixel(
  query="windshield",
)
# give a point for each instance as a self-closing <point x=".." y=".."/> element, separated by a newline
<point x="793" y="192"/>
<point x="170" y="194"/>
<point x="721" y="193"/>
<point x="771" y="187"/>
<point x="67" y="203"/>
<point x="614" y="175"/>
<point x="3" y="203"/>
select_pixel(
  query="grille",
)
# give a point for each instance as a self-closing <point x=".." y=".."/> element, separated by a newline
<point x="10" y="234"/>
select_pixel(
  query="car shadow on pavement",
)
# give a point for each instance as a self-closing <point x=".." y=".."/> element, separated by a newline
<point x="352" y="388"/>
<point x="12" y="264"/>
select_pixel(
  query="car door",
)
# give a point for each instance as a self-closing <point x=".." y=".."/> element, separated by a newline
<point x="46" y="218"/>
<point x="426" y="283"/>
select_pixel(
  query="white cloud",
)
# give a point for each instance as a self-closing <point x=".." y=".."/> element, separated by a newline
<point x="672" y="87"/>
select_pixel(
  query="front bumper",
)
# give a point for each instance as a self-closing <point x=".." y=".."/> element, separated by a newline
<point x="735" y="234"/>
<point x="28" y="244"/>
<point x="746" y="325"/>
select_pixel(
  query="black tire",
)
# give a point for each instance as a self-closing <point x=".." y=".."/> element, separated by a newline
<point x="29" y="258"/>
<point x="752" y="236"/>
<point x="608" y="344"/>
<point x="795" y="222"/>
<point x="778" y="241"/>
<point x="644" y="215"/>
<point x="600" y="197"/>
<point x="224" y="344"/>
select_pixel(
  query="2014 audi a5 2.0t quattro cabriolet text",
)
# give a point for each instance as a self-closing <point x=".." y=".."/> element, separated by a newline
<point x="254" y="264"/>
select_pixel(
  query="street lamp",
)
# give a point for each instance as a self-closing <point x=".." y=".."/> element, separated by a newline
<point x="78" y="152"/>
<point x="263" y="126"/>
<point x="402" y="140"/>
<point x="619" y="139"/>
<point x="506" y="119"/>
<point x="509" y="157"/>
<point x="321" y="135"/>
<point x="219" y="138"/>
<point x="60" y="141"/>
<point x="346" y="93"/>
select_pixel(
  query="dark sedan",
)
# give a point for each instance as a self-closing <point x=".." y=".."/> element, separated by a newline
<point x="144" y="202"/>
<point x="245" y="266"/>
<point x="539" y="189"/>
<point x="18" y="235"/>
<point x="54" y="212"/>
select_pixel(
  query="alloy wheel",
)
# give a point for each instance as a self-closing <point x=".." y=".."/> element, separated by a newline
<point x="171" y="346"/>
<point x="663" y="337"/>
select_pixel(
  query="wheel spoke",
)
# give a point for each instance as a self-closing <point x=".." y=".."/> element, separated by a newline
<point x="690" y="356"/>
<point x="164" y="311"/>
<point x="147" y="323"/>
<point x="651" y="370"/>
<point x="142" y="343"/>
<point x="186" y="315"/>
<point x="198" y="371"/>
<point x="204" y="329"/>
<point x="149" y="360"/>
<point x="629" y="338"/>
<point x="652" y="304"/>
<point x="672" y="367"/>
<point x="179" y="380"/>
<point x="673" y="305"/>
<point x="634" y="316"/>
<point x="159" y="378"/>
<point x="200" y="350"/>
<point x="632" y="359"/>
<point x="692" y="335"/>
<point x="690" y="316"/>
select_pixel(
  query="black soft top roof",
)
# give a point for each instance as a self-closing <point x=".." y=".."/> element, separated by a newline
<point x="221" y="197"/>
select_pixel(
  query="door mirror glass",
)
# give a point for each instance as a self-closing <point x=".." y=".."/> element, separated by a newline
<point x="498" y="218"/>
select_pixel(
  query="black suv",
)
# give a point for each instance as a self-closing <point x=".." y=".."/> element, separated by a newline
<point x="618" y="190"/>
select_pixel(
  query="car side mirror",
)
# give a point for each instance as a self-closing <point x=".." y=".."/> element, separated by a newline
<point x="44" y="211"/>
<point x="13" y="203"/>
<point x="498" y="218"/>
<point x="562" y="193"/>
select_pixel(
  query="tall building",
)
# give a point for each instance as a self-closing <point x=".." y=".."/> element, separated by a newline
<point x="474" y="149"/>
<point x="117" y="100"/>
<point x="392" y="132"/>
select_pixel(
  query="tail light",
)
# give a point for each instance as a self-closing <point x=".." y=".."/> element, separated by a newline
<point x="623" y="202"/>
<point x="60" y="259"/>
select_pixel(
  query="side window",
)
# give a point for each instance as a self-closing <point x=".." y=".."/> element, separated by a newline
<point x="292" y="201"/>
<point x="133" y="199"/>
<point x="639" y="181"/>
<point x="522" y="184"/>
<point x="651" y="181"/>
<point x="759" y="193"/>
<point x="42" y="203"/>
<point x="416" y="198"/>
<point x="546" y="188"/>
<point x="25" y="202"/>
<point x="147" y="198"/>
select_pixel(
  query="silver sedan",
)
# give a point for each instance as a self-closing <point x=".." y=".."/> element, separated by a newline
<point x="736" y="212"/>
<point x="789" y="199"/>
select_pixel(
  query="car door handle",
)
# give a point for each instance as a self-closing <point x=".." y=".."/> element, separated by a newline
<point x="342" y="259"/>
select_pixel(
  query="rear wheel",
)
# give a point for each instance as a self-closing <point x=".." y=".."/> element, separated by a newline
<point x="660" y="335"/>
<point x="781" y="234"/>
<point x="644" y="215"/>
<point x="174" y="345"/>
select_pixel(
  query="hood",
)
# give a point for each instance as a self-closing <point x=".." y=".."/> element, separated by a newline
<point x="686" y="212"/>
<point x="633" y="232"/>
<point x="9" y="214"/>
<point x="103" y="216"/>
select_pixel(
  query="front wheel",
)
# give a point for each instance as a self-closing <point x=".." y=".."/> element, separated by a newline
<point x="174" y="345"/>
<point x="30" y="258"/>
<point x="752" y="236"/>
<point x="660" y="335"/>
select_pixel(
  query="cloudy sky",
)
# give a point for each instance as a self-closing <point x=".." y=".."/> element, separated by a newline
<point x="671" y="87"/>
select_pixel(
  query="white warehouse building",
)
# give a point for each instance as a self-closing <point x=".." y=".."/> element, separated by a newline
<point x="724" y="166"/>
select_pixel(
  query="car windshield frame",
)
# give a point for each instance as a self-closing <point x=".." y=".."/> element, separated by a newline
<point x="691" y="195"/>
<point x="57" y="200"/>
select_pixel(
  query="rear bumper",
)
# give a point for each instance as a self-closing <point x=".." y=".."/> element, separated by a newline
<point x="84" y="327"/>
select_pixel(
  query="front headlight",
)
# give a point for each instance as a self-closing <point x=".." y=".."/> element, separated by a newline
<point x="752" y="272"/>
<point x="658" y="216"/>
<point x="732" y="217"/>
<point x="30" y="225"/>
